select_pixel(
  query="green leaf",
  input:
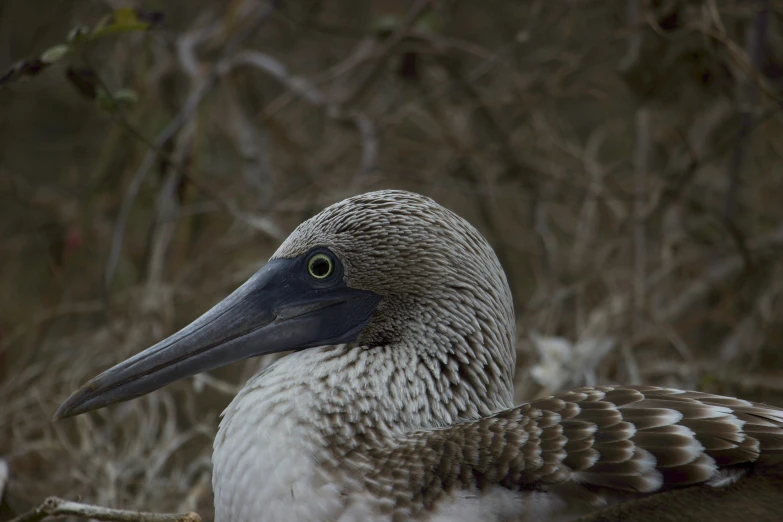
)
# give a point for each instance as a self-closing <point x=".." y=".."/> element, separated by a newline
<point x="55" y="53"/>
<point x="117" y="29"/>
<point x="111" y="103"/>
<point x="78" y="34"/>
<point x="126" y="97"/>
<point x="384" y="25"/>
<point x="430" y="23"/>
<point x="126" y="16"/>
<point x="122" y="20"/>
<point x="105" y="101"/>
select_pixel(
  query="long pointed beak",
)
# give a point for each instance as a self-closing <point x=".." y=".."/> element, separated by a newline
<point x="275" y="310"/>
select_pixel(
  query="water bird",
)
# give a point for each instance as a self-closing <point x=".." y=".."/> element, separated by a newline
<point x="396" y="402"/>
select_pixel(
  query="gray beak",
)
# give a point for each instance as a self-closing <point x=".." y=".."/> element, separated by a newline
<point x="280" y="308"/>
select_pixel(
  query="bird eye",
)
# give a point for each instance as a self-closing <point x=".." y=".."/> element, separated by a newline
<point x="320" y="266"/>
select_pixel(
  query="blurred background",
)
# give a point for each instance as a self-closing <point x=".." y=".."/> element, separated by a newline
<point x="625" y="160"/>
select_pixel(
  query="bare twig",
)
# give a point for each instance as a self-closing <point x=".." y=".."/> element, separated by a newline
<point x="350" y="95"/>
<point x="636" y="39"/>
<point x="90" y="307"/>
<point x="204" y="379"/>
<point x="641" y="165"/>
<point x="308" y="91"/>
<point x="586" y="226"/>
<point x="369" y="137"/>
<point x="56" y="507"/>
<point x="745" y="64"/>
<point x="717" y="272"/>
<point x="4" y="473"/>
<point x="747" y="99"/>
<point x="280" y="72"/>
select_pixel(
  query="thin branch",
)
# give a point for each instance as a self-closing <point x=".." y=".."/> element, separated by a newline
<point x="384" y="51"/>
<point x="369" y="136"/>
<point x="65" y="310"/>
<point x="641" y="166"/>
<point x="368" y="133"/>
<point x="57" y="507"/>
<point x="747" y="98"/>
<point x="718" y="272"/>
<point x="280" y="72"/>
<point x="4" y="473"/>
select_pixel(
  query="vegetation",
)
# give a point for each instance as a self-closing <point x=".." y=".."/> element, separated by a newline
<point x="625" y="159"/>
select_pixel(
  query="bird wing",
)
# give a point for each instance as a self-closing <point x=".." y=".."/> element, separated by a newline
<point x="628" y="440"/>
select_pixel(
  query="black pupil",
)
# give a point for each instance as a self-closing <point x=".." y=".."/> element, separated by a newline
<point x="320" y="267"/>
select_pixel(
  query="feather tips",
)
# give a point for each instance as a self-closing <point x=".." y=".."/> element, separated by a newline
<point x="627" y="439"/>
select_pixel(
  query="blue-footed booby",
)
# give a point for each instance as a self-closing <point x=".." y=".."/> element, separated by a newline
<point x="396" y="402"/>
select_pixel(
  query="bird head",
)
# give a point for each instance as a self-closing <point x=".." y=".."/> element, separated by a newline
<point x="383" y="268"/>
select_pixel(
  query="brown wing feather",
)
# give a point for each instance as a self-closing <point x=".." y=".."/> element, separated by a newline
<point x="633" y="439"/>
<point x="690" y="435"/>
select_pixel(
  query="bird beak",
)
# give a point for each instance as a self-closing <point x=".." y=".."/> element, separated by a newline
<point x="277" y="309"/>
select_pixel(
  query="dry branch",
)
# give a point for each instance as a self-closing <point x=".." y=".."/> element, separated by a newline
<point x="57" y="507"/>
<point x="309" y="92"/>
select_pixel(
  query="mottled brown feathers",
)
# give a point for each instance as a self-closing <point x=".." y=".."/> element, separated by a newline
<point x="608" y="439"/>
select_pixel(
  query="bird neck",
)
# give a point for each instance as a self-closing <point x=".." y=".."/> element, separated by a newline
<point x="294" y="424"/>
<point x="351" y="392"/>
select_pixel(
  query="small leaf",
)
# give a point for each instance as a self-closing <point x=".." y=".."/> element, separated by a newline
<point x="126" y="16"/>
<point x="126" y="97"/>
<point x="103" y="22"/>
<point x="430" y="23"/>
<point x="105" y="101"/>
<point x="78" y="34"/>
<point x="55" y="53"/>
<point x="384" y="25"/>
<point x="121" y="21"/>
<point x="117" y="29"/>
